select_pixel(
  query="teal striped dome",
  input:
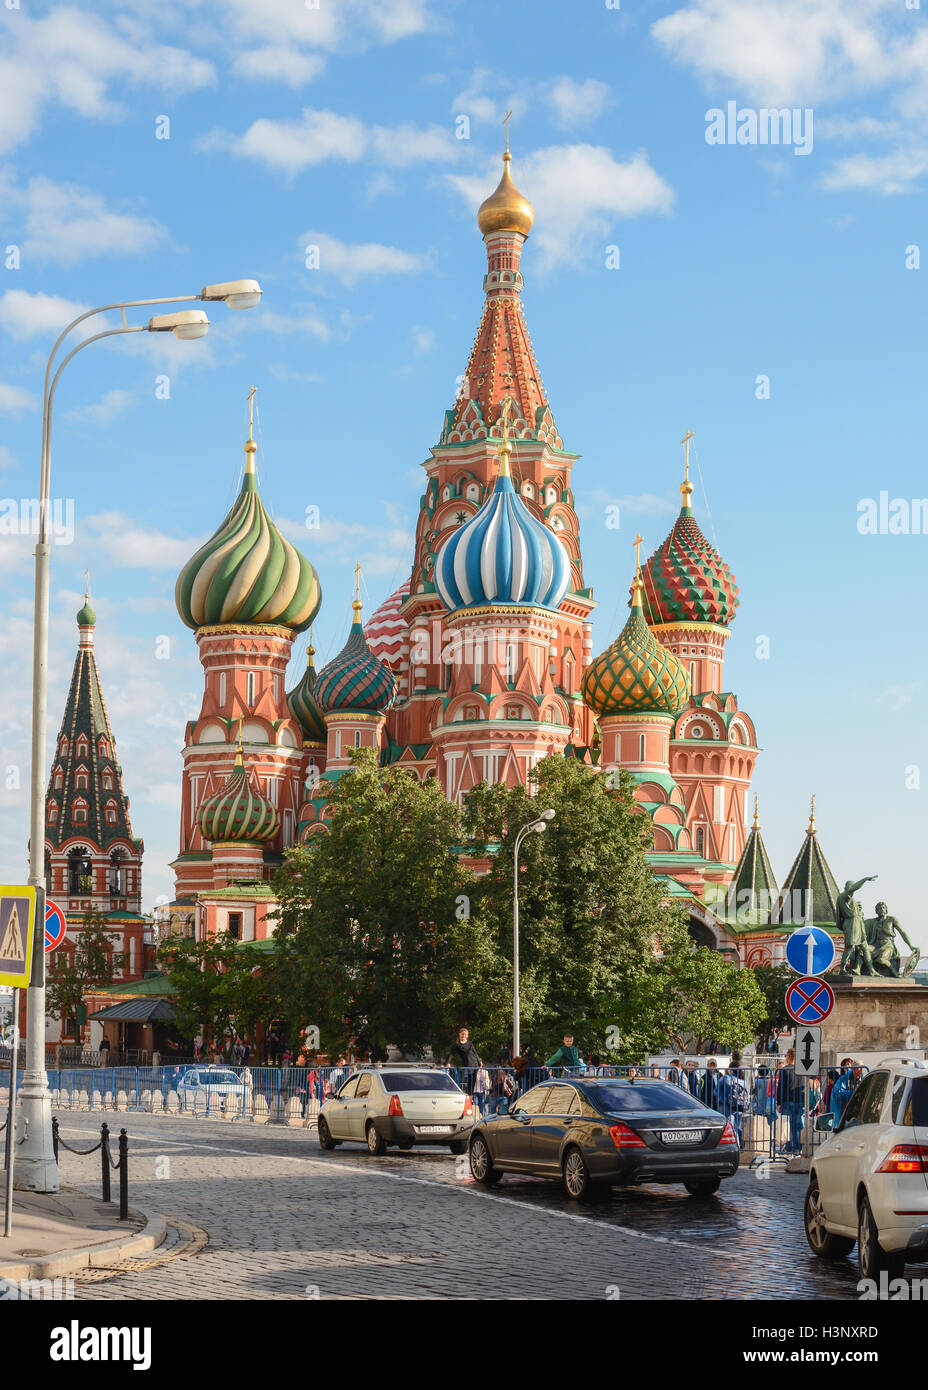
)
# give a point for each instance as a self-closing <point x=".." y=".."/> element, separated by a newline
<point x="238" y="811"/>
<point x="303" y="704"/>
<point x="248" y="572"/>
<point x="356" y="680"/>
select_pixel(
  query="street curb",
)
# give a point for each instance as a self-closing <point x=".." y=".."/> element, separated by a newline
<point x="140" y="1242"/>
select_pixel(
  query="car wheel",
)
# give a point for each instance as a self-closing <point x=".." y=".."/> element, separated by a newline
<point x="481" y="1164"/>
<point x="325" y="1135"/>
<point x="821" y="1241"/>
<point x="375" y="1144"/>
<point x="704" y="1187"/>
<point x="458" y="1146"/>
<point x="873" y="1259"/>
<point x="575" y="1175"/>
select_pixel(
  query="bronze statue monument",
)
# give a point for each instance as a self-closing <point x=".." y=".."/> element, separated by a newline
<point x="881" y="937"/>
<point x="849" y="919"/>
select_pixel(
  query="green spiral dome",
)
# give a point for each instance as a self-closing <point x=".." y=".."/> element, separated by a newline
<point x="304" y="706"/>
<point x="248" y="572"/>
<point x="238" y="811"/>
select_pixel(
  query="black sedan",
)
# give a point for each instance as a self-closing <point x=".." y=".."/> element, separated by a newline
<point x="604" y="1130"/>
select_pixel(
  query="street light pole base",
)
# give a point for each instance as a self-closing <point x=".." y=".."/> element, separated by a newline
<point x="35" y="1169"/>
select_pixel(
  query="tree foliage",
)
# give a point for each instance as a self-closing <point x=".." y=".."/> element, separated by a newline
<point x="89" y="967"/>
<point x="221" y="986"/>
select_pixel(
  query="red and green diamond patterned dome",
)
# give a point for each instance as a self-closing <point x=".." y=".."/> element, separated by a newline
<point x="686" y="580"/>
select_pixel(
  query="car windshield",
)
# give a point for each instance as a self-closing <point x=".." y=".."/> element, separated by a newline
<point x="621" y="1098"/>
<point x="218" y="1078"/>
<point x="418" y="1081"/>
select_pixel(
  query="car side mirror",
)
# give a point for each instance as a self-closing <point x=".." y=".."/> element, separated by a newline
<point x="518" y="1113"/>
<point x="825" y="1122"/>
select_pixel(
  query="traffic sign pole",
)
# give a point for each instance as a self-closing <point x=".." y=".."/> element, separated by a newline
<point x="10" y="1146"/>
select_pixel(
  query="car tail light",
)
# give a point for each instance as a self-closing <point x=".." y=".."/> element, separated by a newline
<point x="728" y="1134"/>
<point x="625" y="1138"/>
<point x="905" y="1158"/>
<point x="395" y="1106"/>
<point x="468" y="1107"/>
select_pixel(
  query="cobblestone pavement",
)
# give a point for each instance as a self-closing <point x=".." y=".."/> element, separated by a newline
<point x="283" y="1220"/>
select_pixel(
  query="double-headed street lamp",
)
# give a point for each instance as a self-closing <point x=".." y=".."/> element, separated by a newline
<point x="536" y="827"/>
<point x="36" y="1169"/>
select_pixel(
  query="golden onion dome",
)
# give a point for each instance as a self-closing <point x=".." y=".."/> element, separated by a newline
<point x="506" y="209"/>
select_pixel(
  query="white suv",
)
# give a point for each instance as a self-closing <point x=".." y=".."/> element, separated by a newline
<point x="401" y="1105"/>
<point x="869" y="1181"/>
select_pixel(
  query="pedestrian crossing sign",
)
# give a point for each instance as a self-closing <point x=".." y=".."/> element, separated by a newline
<point x="17" y="925"/>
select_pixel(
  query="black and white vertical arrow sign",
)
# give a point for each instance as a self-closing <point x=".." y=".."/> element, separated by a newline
<point x="808" y="1051"/>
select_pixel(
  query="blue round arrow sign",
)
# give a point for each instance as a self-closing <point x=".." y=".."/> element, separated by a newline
<point x="809" y="1000"/>
<point x="55" y="925"/>
<point x="810" y="951"/>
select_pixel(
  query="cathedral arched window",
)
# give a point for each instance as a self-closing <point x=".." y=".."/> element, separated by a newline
<point x="552" y="496"/>
<point x="52" y="814"/>
<point x="80" y="871"/>
<point x="82" y="749"/>
<point x="528" y="490"/>
<point x="357" y="738"/>
<point x="63" y="747"/>
<point x="80" y="779"/>
<point x="117" y="873"/>
<point x="107" y="781"/>
<point x="79" y="813"/>
<point x="111" y="813"/>
<point x="473" y="492"/>
<point x="701" y="839"/>
<point x="250" y="697"/>
<point x="59" y="778"/>
<point x="641" y="748"/>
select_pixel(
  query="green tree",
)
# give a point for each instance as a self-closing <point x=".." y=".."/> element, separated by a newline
<point x="221" y="986"/>
<point x="773" y="981"/>
<point x="590" y="913"/>
<point x="91" y="966"/>
<point x="365" y="941"/>
<point x="693" y="996"/>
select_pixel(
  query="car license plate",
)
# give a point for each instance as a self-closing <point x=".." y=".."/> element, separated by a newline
<point x="433" y="1129"/>
<point x="682" y="1136"/>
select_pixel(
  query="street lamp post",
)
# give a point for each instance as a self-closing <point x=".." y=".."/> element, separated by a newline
<point x="36" y="1169"/>
<point x="534" y="827"/>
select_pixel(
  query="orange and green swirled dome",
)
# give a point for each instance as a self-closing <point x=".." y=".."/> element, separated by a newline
<point x="238" y="811"/>
<point x="248" y="572"/>
<point x="636" y="674"/>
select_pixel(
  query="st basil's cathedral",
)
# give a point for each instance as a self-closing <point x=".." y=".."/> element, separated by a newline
<point x="481" y="664"/>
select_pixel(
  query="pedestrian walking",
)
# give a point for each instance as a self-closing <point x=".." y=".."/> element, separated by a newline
<point x="843" y="1088"/>
<point x="465" y="1057"/>
<point x="789" y="1097"/>
<point x="525" y="1067"/>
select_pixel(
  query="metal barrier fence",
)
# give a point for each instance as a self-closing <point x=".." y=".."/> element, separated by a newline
<point x="764" y="1102"/>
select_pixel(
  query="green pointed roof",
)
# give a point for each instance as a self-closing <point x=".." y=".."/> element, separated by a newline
<point x="85" y="724"/>
<point x="753" y="892"/>
<point x="810" y="874"/>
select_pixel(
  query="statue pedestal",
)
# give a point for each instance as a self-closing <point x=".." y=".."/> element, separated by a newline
<point x="872" y="1014"/>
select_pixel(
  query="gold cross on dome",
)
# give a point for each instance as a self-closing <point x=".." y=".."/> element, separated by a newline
<point x="506" y="119"/>
<point x="251" y="410"/>
<point x="637" y="544"/>
<point x="685" y="441"/>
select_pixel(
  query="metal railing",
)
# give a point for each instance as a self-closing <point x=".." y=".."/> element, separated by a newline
<point x="106" y="1162"/>
<point x="763" y="1102"/>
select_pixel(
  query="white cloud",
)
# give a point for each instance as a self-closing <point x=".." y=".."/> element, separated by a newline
<point x="350" y="262"/>
<point x="292" y="146"/>
<point x="73" y="58"/>
<point x="278" y="63"/>
<point x="898" y="172"/>
<point x="136" y="546"/>
<point x="8" y="460"/>
<point x="576" y="103"/>
<point x="14" y="400"/>
<point x="423" y="338"/>
<point x="579" y="192"/>
<point x="269" y="321"/>
<point x="114" y="403"/>
<point x="65" y="224"/>
<point x="793" y="52"/>
<point x="24" y="315"/>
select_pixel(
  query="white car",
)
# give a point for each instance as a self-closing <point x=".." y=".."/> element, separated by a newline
<point x="869" y="1181"/>
<point x="398" y="1105"/>
<point x="207" y="1082"/>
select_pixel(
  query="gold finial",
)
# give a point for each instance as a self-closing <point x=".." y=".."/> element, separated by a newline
<point x="250" y="445"/>
<point x="506" y="210"/>
<point x="686" y="487"/>
<point x="357" y="605"/>
<point x="504" y="451"/>
<point x="239" y="750"/>
<point x="811" y="830"/>
<point x="310" y="650"/>
<point x="86" y="585"/>
<point x="506" y="119"/>
<point x="637" y="582"/>
<point x="756" y="821"/>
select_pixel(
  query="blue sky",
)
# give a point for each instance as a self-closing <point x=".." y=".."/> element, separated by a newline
<point x="337" y="127"/>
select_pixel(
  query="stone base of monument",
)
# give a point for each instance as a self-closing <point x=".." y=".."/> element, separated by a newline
<point x="873" y="1013"/>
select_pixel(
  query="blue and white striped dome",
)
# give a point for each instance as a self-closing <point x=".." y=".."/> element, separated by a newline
<point x="502" y="555"/>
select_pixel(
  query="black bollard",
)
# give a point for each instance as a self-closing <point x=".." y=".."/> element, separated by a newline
<point x="105" y="1160"/>
<point x="123" y="1175"/>
<point x="55" y="1136"/>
